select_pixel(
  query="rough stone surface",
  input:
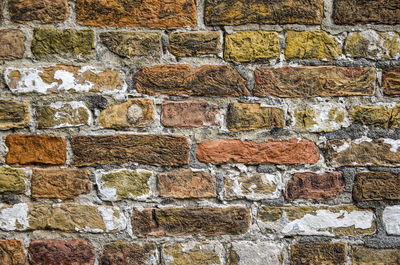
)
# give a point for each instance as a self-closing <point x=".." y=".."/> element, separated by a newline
<point x="253" y="253"/>
<point x="354" y="12"/>
<point x="362" y="256"/>
<point x="11" y="44"/>
<point x="131" y="44"/>
<point x="391" y="81"/>
<point x="318" y="253"/>
<point x="129" y="253"/>
<point x="12" y="252"/>
<point x="60" y="183"/>
<point x="63" y="114"/>
<point x="44" y="11"/>
<point x="193" y="253"/>
<point x="251" y="116"/>
<point x="394" y="121"/>
<point x="391" y="217"/>
<point x="12" y="180"/>
<point x="247" y="46"/>
<point x="47" y="41"/>
<point x="132" y="113"/>
<point x="61" y="252"/>
<point x="209" y="80"/>
<point x="373" y="186"/>
<point x="291" y="151"/>
<point x="189" y="113"/>
<point x="14" y="114"/>
<point x="309" y="185"/>
<point x="311" y="81"/>
<point x="166" y="150"/>
<point x="208" y="221"/>
<point x="185" y="183"/>
<point x="239" y="12"/>
<point x="371" y="115"/>
<point x="30" y="149"/>
<point x="146" y="13"/>
<point x="311" y="45"/>
<point x="195" y="43"/>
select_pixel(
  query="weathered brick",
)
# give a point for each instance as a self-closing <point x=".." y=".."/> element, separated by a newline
<point x="391" y="217"/>
<point x="249" y="252"/>
<point x="132" y="113"/>
<point x="185" y="183"/>
<point x="291" y="151"/>
<point x="12" y="252"/>
<point x="11" y="44"/>
<point x="14" y="217"/>
<point x="209" y="80"/>
<point x="14" y="114"/>
<point x="189" y="113"/>
<point x="372" y="186"/>
<point x="48" y="41"/>
<point x="32" y="149"/>
<point x="124" y="184"/>
<point x="63" y="79"/>
<point x="311" y="81"/>
<point x="363" y="256"/>
<point x="129" y="253"/>
<point x="311" y="45"/>
<point x="166" y="150"/>
<point x="131" y="44"/>
<point x="12" y="180"/>
<point x="239" y="12"/>
<point x="318" y="253"/>
<point x="195" y="43"/>
<point x="248" y="46"/>
<point x="61" y="252"/>
<point x="309" y="185"/>
<point x="63" y="114"/>
<point x="320" y="220"/>
<point x="371" y="115"/>
<point x="391" y="81"/>
<point x="206" y="221"/>
<point x="363" y="152"/>
<point x="193" y="253"/>
<point x="44" y="11"/>
<point x="354" y="12"/>
<point x="147" y="13"/>
<point x="60" y="183"/>
<point x="251" y="116"/>
<point x="394" y="121"/>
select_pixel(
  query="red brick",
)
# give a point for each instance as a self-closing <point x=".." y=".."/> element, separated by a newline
<point x="291" y="151"/>
<point x="44" y="11"/>
<point x="12" y="252"/>
<point x="391" y="81"/>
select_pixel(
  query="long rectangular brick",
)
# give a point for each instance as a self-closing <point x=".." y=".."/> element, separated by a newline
<point x="165" y="150"/>
<point x="318" y="253"/>
<point x="129" y="253"/>
<point x="375" y="186"/>
<point x="44" y="11"/>
<point x="363" y="256"/>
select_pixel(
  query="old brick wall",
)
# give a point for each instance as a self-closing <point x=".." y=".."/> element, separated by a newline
<point x="199" y="132"/>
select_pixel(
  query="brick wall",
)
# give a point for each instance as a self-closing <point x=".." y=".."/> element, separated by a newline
<point x="199" y="132"/>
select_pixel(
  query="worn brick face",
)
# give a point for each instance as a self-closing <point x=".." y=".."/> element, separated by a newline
<point x="12" y="252"/>
<point x="391" y="81"/>
<point x="14" y="114"/>
<point x="195" y="43"/>
<point x="375" y="186"/>
<point x="44" y="11"/>
<point x="12" y="180"/>
<point x="318" y="253"/>
<point x="11" y="44"/>
<point x="362" y="255"/>
<point x="129" y="253"/>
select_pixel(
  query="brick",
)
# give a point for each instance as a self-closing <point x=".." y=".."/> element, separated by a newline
<point x="131" y="44"/>
<point x="14" y="217"/>
<point x="11" y="44"/>
<point x="12" y="252"/>
<point x="309" y="185"/>
<point x="209" y="80"/>
<point x="12" y="180"/>
<point x="185" y="183"/>
<point x="193" y="253"/>
<point x="61" y="252"/>
<point x="205" y="221"/>
<point x="147" y="13"/>
<point x="129" y="253"/>
<point x="63" y="79"/>
<point x="316" y="220"/>
<point x="30" y="149"/>
<point x="376" y="186"/>
<point x="44" y="11"/>
<point x="189" y="113"/>
<point x="60" y="183"/>
<point x="311" y="45"/>
<point x="391" y="217"/>
<point x="353" y="12"/>
<point x="248" y="46"/>
<point x="318" y="253"/>
<point x="315" y="81"/>
<point x="251" y="116"/>
<point x="63" y="114"/>
<point x="291" y="151"/>
<point x="371" y="115"/>
<point x="248" y="252"/>
<point x="240" y="12"/>
<point x="391" y="81"/>
<point x="195" y="43"/>
<point x="14" y="114"/>
<point x="363" y="152"/>
<point x="165" y="150"/>
<point x="394" y="121"/>
<point x="363" y="256"/>
<point x="124" y="184"/>
<point x="132" y="113"/>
